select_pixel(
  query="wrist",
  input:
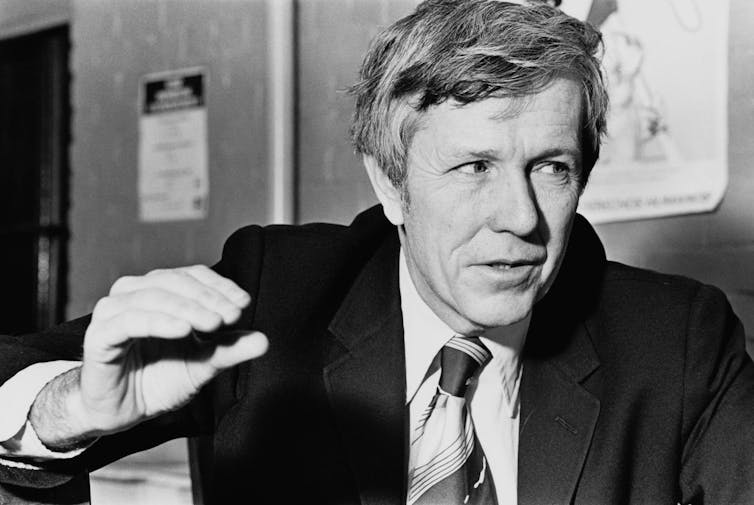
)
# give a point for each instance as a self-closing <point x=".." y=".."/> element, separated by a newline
<point x="58" y="415"/>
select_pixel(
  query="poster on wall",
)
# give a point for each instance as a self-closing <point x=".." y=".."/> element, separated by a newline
<point x="173" y="171"/>
<point x="666" y="69"/>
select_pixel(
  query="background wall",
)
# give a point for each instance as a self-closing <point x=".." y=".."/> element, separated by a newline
<point x="333" y="186"/>
<point x="114" y="44"/>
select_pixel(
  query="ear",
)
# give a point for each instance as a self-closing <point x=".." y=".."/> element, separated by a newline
<point x="388" y="195"/>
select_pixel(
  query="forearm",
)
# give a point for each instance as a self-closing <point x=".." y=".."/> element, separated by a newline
<point x="57" y="414"/>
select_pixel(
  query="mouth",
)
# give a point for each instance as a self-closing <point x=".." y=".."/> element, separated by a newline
<point x="508" y="272"/>
<point x="509" y="264"/>
<point x="499" y="265"/>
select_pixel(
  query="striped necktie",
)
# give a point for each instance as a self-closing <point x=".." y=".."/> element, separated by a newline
<point x="450" y="467"/>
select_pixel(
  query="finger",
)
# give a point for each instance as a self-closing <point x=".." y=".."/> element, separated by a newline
<point x="231" y="352"/>
<point x="227" y="353"/>
<point x="202" y="337"/>
<point x="106" y="340"/>
<point x="159" y="300"/>
<point x="222" y="284"/>
<point x="181" y="283"/>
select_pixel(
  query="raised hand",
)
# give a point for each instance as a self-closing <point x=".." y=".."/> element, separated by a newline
<point x="141" y="355"/>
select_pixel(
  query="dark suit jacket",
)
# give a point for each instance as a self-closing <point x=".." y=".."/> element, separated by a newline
<point x="636" y="387"/>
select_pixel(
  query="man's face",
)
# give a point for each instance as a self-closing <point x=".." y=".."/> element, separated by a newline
<point x="493" y="188"/>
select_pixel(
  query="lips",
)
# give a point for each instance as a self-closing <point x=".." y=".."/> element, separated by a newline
<point x="507" y="272"/>
<point x="507" y="264"/>
<point x="500" y="265"/>
<point x="499" y="275"/>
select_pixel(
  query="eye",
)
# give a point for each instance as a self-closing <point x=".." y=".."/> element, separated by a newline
<point x="552" y="168"/>
<point x="475" y="167"/>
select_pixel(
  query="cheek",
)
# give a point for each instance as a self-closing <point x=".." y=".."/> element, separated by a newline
<point x="557" y="208"/>
<point x="443" y="220"/>
<point x="557" y="218"/>
<point x="435" y="236"/>
<point x="441" y="215"/>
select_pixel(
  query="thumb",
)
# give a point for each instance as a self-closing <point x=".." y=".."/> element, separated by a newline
<point x="233" y="348"/>
<point x="226" y="350"/>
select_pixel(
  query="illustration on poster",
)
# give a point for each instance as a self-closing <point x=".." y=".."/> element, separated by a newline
<point x="637" y="127"/>
<point x="666" y="69"/>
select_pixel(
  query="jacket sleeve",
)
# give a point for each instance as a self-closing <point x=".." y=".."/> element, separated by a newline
<point x="718" y="419"/>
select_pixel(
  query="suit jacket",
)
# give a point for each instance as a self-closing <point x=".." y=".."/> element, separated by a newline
<point x="636" y="386"/>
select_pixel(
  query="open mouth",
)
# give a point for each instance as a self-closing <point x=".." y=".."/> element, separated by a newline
<point x="500" y="266"/>
<point x="508" y="271"/>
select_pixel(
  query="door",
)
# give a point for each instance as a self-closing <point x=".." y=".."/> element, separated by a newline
<point x="34" y="138"/>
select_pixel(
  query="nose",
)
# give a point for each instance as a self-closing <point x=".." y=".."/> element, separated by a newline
<point x="511" y="204"/>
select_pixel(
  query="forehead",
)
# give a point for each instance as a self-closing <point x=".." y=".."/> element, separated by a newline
<point x="548" y="119"/>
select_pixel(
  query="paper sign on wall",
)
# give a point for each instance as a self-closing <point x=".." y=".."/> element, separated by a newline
<point x="173" y="172"/>
<point x="666" y="69"/>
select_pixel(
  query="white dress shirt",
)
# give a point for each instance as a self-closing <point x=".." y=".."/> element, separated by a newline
<point x="492" y="396"/>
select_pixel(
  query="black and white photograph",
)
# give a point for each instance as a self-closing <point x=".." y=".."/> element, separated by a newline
<point x="377" y="252"/>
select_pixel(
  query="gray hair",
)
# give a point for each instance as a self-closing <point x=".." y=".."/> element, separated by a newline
<point x="469" y="50"/>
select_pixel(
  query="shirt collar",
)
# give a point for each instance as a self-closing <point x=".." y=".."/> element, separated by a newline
<point x="424" y="334"/>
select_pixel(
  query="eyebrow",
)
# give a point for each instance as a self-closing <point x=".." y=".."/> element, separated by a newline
<point x="559" y="151"/>
<point x="484" y="153"/>
<point x="494" y="154"/>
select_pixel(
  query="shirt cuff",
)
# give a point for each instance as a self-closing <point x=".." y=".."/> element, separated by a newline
<point x="17" y="437"/>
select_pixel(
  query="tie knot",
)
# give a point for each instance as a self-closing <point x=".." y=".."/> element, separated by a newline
<point x="460" y="358"/>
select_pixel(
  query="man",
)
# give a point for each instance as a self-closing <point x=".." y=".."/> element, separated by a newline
<point x="466" y="342"/>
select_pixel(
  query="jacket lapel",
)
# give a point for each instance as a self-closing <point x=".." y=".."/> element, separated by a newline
<point x="365" y="379"/>
<point x="558" y="417"/>
<point x="558" y="413"/>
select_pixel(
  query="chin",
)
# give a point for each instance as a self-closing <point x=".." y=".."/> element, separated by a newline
<point x="500" y="313"/>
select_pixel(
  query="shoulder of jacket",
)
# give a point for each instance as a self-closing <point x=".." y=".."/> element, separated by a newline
<point x="656" y="295"/>
<point x="643" y="279"/>
<point x="366" y="230"/>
